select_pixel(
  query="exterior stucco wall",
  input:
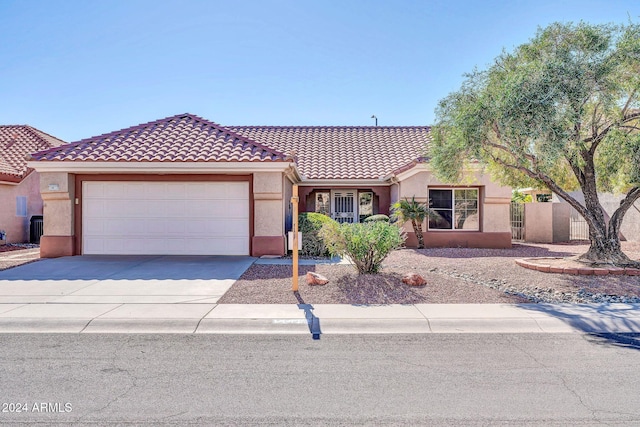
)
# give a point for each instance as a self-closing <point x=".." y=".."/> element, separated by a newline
<point x="546" y="222"/>
<point x="268" y="200"/>
<point x="58" y="211"/>
<point x="394" y="193"/>
<point x="17" y="227"/>
<point x="494" y="202"/>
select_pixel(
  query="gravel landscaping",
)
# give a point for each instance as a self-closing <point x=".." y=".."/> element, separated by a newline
<point x="15" y="254"/>
<point x="453" y="275"/>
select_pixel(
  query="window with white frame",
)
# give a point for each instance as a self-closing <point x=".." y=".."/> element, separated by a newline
<point x="21" y="206"/>
<point x="455" y="209"/>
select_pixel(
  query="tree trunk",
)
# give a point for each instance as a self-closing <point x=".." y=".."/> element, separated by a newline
<point x="605" y="236"/>
<point x="605" y="248"/>
<point x="417" y="228"/>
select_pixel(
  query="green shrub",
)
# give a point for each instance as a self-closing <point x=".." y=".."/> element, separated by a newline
<point x="366" y="244"/>
<point x="376" y="218"/>
<point x="309" y="224"/>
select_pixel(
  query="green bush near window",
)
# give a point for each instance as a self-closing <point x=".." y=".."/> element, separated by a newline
<point x="366" y="244"/>
<point x="376" y="218"/>
<point x="309" y="224"/>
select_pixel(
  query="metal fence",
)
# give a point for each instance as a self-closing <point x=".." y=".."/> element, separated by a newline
<point x="517" y="221"/>
<point x="578" y="228"/>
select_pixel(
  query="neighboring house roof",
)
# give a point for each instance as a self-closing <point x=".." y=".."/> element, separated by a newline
<point x="180" y="138"/>
<point x="16" y="143"/>
<point x="345" y="152"/>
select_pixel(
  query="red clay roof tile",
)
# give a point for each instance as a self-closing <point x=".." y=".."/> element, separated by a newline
<point x="180" y="138"/>
<point x="321" y="152"/>
<point x="16" y="143"/>
<point x="345" y="152"/>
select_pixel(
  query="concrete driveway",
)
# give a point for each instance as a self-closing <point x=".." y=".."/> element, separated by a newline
<point x="122" y="279"/>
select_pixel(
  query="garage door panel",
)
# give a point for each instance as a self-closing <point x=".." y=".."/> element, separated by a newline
<point x="115" y="191"/>
<point x="237" y="208"/>
<point x="233" y="246"/>
<point x="203" y="218"/>
<point x="94" y="227"/>
<point x="127" y="226"/>
<point x="93" y="190"/>
<point x="206" y="227"/>
<point x="92" y="245"/>
<point x="93" y="207"/>
<point x="234" y="190"/>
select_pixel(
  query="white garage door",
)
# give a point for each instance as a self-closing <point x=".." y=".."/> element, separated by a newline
<point x="165" y="218"/>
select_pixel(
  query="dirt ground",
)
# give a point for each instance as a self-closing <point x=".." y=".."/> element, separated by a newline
<point x="453" y="275"/>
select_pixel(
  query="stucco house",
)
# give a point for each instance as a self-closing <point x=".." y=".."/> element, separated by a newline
<point x="20" y="185"/>
<point x="185" y="185"/>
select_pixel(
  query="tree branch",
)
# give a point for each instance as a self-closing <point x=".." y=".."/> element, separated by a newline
<point x="594" y="128"/>
<point x="550" y="183"/>
<point x="527" y="156"/>
<point x="598" y="138"/>
<point x="628" y="103"/>
<point x="616" y="219"/>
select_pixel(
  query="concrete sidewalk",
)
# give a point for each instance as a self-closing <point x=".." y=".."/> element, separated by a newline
<point x="317" y="319"/>
<point x="161" y="294"/>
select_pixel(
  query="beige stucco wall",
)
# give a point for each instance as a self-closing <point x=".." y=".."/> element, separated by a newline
<point x="58" y="203"/>
<point x="495" y="199"/>
<point x="546" y="222"/>
<point x="268" y="204"/>
<point x="16" y="227"/>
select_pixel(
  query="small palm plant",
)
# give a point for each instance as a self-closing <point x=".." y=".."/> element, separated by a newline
<point x="411" y="210"/>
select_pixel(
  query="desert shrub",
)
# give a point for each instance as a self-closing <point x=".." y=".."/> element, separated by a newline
<point x="376" y="218"/>
<point x="309" y="224"/>
<point x="366" y="244"/>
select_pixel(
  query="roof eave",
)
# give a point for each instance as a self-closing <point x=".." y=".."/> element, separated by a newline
<point x="346" y="183"/>
<point x="160" y="167"/>
<point x="6" y="178"/>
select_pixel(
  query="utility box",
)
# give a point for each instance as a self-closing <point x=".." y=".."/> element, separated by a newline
<point x="290" y="240"/>
<point x="36" y="229"/>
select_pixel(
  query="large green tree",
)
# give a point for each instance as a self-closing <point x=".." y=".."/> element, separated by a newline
<point x="561" y="110"/>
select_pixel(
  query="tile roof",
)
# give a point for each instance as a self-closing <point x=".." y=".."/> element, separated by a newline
<point x="16" y="143"/>
<point x="321" y="152"/>
<point x="180" y="138"/>
<point x="345" y="152"/>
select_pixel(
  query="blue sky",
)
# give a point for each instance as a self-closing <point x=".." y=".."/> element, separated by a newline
<point x="76" y="69"/>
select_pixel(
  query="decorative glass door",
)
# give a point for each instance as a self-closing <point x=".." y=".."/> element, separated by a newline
<point x="344" y="207"/>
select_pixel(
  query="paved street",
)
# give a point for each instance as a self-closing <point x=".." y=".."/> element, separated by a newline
<point x="443" y="379"/>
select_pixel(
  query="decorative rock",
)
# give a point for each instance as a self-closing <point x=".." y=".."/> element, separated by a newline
<point x="413" y="279"/>
<point x="316" y="279"/>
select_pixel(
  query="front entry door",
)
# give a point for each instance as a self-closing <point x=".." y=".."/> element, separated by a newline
<point x="344" y="207"/>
